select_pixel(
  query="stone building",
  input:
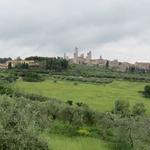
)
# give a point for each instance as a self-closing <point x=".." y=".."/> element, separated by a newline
<point x="112" y="64"/>
<point x="3" y="66"/>
<point x="80" y="59"/>
<point x="142" y="66"/>
<point x="15" y="62"/>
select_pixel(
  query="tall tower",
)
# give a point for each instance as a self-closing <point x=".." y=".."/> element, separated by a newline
<point x="89" y="55"/>
<point x="76" y="53"/>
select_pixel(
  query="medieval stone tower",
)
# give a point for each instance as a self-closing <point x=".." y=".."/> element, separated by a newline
<point x="89" y="57"/>
<point x="75" y="55"/>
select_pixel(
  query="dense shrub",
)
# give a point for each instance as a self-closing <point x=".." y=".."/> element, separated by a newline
<point x="25" y="140"/>
<point x="22" y="66"/>
<point x="16" y="126"/>
<point x="138" y="109"/>
<point x="147" y="91"/>
<point x="9" y="78"/>
<point x="32" y="97"/>
<point x="32" y="77"/>
<point x="122" y="108"/>
<point x="6" y="90"/>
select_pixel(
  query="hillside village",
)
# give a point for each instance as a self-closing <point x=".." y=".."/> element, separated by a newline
<point x="13" y="63"/>
<point x="115" y="64"/>
<point x="85" y="60"/>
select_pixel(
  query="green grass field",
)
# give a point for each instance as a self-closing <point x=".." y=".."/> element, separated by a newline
<point x="60" y="142"/>
<point x="100" y="97"/>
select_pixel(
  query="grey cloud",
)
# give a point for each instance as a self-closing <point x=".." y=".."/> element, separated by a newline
<point x="48" y="28"/>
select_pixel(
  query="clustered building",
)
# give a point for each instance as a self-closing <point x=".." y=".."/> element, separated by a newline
<point x="112" y="64"/>
<point x="13" y="63"/>
<point x="87" y="60"/>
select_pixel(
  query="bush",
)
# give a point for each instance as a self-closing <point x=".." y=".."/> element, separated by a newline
<point x="75" y="83"/>
<point x="122" y="108"/>
<point x="6" y="90"/>
<point x="70" y="102"/>
<point x="55" y="81"/>
<point x="32" y="97"/>
<point x="147" y="91"/>
<point x="16" y="126"/>
<point x="138" y="109"/>
<point x="32" y="77"/>
<point x="11" y="140"/>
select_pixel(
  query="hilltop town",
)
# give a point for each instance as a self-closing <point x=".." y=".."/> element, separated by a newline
<point x="115" y="64"/>
<point x="85" y="60"/>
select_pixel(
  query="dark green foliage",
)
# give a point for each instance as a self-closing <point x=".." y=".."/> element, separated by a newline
<point x="32" y="97"/>
<point x="4" y="90"/>
<point x="122" y="108"/>
<point x="32" y="77"/>
<point x="55" y="81"/>
<point x="22" y="66"/>
<point x="56" y="64"/>
<point x="75" y="83"/>
<point x="147" y="91"/>
<point x="52" y="64"/>
<point x="107" y="64"/>
<point x="70" y="102"/>
<point x="79" y="104"/>
<point x="10" y="78"/>
<point x="139" y="109"/>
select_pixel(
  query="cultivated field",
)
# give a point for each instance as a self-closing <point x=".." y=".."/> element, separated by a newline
<point x="100" y="97"/>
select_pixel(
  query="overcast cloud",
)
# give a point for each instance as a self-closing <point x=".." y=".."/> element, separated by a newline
<point x="111" y="28"/>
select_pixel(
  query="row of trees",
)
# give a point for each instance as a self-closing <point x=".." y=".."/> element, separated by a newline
<point x="52" y="64"/>
<point x="56" y="64"/>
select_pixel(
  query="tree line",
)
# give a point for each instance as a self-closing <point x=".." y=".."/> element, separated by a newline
<point x="51" y="63"/>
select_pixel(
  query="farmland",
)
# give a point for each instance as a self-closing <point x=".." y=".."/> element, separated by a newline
<point x="99" y="97"/>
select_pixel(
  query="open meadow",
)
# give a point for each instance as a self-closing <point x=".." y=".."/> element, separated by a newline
<point x="99" y="97"/>
<point x="60" y="142"/>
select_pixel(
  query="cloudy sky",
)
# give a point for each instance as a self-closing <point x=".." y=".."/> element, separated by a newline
<point x="111" y="28"/>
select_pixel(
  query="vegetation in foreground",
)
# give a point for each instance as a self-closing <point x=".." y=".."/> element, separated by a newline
<point x="28" y="118"/>
<point x="31" y="121"/>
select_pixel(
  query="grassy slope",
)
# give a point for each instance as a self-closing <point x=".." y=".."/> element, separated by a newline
<point x="60" y="142"/>
<point x="100" y="97"/>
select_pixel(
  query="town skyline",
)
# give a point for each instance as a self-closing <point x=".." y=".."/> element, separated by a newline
<point x="83" y="51"/>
